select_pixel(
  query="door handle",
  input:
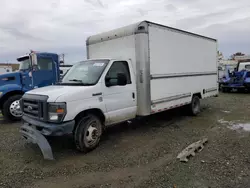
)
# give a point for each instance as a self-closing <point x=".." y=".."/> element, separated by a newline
<point x="133" y="95"/>
<point x="96" y="94"/>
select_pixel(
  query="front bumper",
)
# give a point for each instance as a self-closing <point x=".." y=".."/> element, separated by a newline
<point x="233" y="86"/>
<point x="35" y="131"/>
<point x="50" y="129"/>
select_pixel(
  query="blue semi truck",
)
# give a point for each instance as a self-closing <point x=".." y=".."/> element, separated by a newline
<point x="37" y="69"/>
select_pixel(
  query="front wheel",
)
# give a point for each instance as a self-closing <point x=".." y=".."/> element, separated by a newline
<point x="195" y="106"/>
<point x="11" y="108"/>
<point x="88" y="133"/>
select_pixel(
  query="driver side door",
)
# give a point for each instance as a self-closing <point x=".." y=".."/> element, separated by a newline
<point x="120" y="100"/>
<point x="44" y="72"/>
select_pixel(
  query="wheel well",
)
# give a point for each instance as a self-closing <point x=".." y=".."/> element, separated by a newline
<point x="94" y="111"/>
<point x="9" y="94"/>
<point x="198" y="95"/>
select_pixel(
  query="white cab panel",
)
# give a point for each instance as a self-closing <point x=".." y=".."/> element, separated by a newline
<point x="120" y="101"/>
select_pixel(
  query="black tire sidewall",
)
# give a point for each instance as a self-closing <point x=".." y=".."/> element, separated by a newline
<point x="193" y="112"/>
<point x="6" y="107"/>
<point x="80" y="132"/>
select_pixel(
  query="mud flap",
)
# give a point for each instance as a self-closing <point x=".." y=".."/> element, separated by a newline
<point x="34" y="136"/>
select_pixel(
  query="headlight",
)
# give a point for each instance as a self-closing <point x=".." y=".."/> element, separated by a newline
<point x="57" y="111"/>
<point x="1" y="94"/>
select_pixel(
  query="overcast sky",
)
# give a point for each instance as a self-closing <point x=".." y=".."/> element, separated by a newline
<point x="62" y="26"/>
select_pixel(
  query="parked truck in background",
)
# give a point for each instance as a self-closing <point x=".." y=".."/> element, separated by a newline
<point x="36" y="70"/>
<point x="63" y="70"/>
<point x="137" y="70"/>
<point x="238" y="79"/>
<point x="5" y="69"/>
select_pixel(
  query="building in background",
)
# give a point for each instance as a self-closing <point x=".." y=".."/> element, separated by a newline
<point x="8" y="67"/>
<point x="233" y="61"/>
<point x="5" y="68"/>
<point x="244" y="57"/>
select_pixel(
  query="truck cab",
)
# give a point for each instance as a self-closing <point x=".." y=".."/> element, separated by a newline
<point x="243" y="65"/>
<point x="98" y="84"/>
<point x="63" y="70"/>
<point x="36" y="70"/>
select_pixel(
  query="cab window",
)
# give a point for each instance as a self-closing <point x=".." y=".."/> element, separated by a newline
<point x="44" y="64"/>
<point x="116" y="68"/>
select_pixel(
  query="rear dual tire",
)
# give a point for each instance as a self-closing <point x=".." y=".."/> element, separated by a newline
<point x="194" y="107"/>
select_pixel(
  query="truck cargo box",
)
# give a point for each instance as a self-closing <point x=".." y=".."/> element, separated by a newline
<point x="171" y="65"/>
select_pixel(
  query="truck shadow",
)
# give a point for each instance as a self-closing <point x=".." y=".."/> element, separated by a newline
<point x="7" y="122"/>
<point x="64" y="146"/>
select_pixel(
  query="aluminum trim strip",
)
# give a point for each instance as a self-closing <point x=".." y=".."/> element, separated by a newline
<point x="172" y="98"/>
<point x="177" y="75"/>
<point x="211" y="90"/>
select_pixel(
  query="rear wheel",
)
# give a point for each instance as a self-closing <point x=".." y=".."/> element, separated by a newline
<point x="11" y="108"/>
<point x="195" y="106"/>
<point x="88" y="133"/>
<point x="224" y="90"/>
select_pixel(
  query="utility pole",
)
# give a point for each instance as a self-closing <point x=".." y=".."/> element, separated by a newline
<point x="62" y="59"/>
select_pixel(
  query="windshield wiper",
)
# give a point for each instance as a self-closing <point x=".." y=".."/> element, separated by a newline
<point x="80" y="82"/>
<point x="76" y="80"/>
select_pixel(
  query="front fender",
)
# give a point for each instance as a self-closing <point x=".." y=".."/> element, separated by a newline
<point x="9" y="88"/>
<point x="78" y="106"/>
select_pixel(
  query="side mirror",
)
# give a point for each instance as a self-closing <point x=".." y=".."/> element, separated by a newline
<point x="34" y="67"/>
<point x="107" y="82"/>
<point x="33" y="58"/>
<point x="121" y="79"/>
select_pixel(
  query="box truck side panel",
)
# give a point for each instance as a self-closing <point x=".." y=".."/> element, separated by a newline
<point x="180" y="65"/>
<point x="122" y="48"/>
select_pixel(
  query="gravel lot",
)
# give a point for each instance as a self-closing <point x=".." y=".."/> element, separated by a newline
<point x="142" y="153"/>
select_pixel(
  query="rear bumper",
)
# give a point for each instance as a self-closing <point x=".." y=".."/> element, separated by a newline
<point x="35" y="131"/>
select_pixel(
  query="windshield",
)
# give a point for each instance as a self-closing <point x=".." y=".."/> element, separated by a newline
<point x="24" y="63"/>
<point x="85" y="72"/>
<point x="247" y="67"/>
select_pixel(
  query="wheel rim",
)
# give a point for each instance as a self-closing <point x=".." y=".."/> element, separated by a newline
<point x="15" y="109"/>
<point x="196" y="106"/>
<point x="92" y="134"/>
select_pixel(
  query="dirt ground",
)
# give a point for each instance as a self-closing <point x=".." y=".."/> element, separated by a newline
<point x="142" y="153"/>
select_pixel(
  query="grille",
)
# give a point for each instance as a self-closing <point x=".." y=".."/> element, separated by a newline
<point x="31" y="108"/>
<point x="34" y="107"/>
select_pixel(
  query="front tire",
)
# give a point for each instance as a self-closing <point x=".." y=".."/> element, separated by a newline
<point x="195" y="106"/>
<point x="11" y="108"/>
<point x="88" y="133"/>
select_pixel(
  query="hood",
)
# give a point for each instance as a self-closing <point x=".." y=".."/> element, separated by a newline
<point x="9" y="74"/>
<point x="10" y="78"/>
<point x="59" y="93"/>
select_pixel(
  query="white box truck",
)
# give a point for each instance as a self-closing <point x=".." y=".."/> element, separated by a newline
<point x="137" y="70"/>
